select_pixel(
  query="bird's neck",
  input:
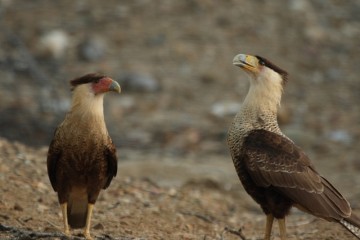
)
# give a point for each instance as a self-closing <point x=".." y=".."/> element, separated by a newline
<point x="87" y="109"/>
<point x="264" y="95"/>
<point x="260" y="107"/>
<point x="261" y="102"/>
<point x="258" y="111"/>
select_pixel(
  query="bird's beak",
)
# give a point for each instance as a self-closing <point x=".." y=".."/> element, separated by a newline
<point x="115" y="86"/>
<point x="247" y="62"/>
<point x="104" y="85"/>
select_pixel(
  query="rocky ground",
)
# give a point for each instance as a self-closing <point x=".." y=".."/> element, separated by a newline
<point x="154" y="196"/>
<point x="180" y="93"/>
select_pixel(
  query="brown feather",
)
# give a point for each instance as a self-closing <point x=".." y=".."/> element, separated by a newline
<point x="88" y="159"/>
<point x="352" y="224"/>
<point x="274" y="161"/>
<point x="273" y="170"/>
<point x="77" y="208"/>
<point x="284" y="74"/>
<point x="53" y="156"/>
<point x="88" y="78"/>
<point x="81" y="158"/>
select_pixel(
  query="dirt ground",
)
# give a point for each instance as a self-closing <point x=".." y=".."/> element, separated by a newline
<point x="180" y="92"/>
<point x="154" y="197"/>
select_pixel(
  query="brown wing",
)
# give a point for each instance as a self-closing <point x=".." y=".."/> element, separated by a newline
<point x="273" y="160"/>
<point x="110" y="156"/>
<point x="54" y="154"/>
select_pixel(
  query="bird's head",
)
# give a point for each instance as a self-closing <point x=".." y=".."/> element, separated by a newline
<point x="88" y="94"/>
<point x="266" y="79"/>
<point x="97" y="83"/>
<point x="260" y="69"/>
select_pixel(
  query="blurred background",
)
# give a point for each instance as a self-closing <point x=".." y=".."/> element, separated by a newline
<point x="174" y="62"/>
<point x="180" y="92"/>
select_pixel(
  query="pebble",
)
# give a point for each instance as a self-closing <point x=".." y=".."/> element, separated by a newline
<point x="42" y="187"/>
<point x="334" y="74"/>
<point x="92" y="49"/>
<point x="42" y="207"/>
<point x="223" y="109"/>
<point x="54" y="43"/>
<point x="99" y="226"/>
<point x="299" y="6"/>
<point x="340" y="136"/>
<point x="17" y="207"/>
<point x="172" y="192"/>
<point x="138" y="82"/>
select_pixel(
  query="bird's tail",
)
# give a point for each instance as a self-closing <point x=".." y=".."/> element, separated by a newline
<point x="352" y="224"/>
<point x="77" y="210"/>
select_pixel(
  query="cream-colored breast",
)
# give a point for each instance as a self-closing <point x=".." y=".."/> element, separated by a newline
<point x="247" y="120"/>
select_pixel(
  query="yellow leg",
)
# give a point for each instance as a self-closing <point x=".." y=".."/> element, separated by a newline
<point x="269" y="223"/>
<point x="65" y="219"/>
<point x="282" y="228"/>
<point x="88" y="222"/>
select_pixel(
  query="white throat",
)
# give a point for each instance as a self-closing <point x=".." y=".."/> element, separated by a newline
<point x="87" y="110"/>
<point x="265" y="91"/>
<point x="86" y="102"/>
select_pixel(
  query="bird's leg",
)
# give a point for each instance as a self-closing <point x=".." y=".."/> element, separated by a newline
<point x="88" y="221"/>
<point x="269" y="223"/>
<point x="282" y="228"/>
<point x="65" y="219"/>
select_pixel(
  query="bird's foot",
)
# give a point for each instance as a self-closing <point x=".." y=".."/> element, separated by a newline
<point x="87" y="236"/>
<point x="67" y="232"/>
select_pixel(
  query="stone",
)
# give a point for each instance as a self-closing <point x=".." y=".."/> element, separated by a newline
<point x="137" y="82"/>
<point x="54" y="43"/>
<point x="223" y="109"/>
<point x="92" y="49"/>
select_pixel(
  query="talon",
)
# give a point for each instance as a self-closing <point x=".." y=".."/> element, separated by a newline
<point x="67" y="232"/>
<point x="87" y="236"/>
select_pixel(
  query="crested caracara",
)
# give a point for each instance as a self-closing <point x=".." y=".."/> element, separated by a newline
<point x="82" y="157"/>
<point x="275" y="172"/>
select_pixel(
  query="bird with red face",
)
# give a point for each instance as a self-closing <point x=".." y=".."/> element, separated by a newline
<point x="82" y="158"/>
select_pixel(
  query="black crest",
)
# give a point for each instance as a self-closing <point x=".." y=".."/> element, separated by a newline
<point x="284" y="74"/>
<point x="88" y="78"/>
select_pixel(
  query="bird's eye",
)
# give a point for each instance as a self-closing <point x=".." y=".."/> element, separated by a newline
<point x="261" y="62"/>
<point x="97" y="81"/>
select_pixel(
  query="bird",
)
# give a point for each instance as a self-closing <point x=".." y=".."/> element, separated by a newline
<point x="81" y="159"/>
<point x="273" y="170"/>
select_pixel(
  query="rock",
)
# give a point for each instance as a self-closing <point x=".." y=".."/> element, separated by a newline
<point x="54" y="43"/>
<point x="42" y="207"/>
<point x="299" y="6"/>
<point x="334" y="74"/>
<point x="223" y="109"/>
<point x="42" y="187"/>
<point x="99" y="226"/>
<point x="172" y="192"/>
<point x="17" y="207"/>
<point x="92" y="49"/>
<point x="137" y="82"/>
<point x="340" y="136"/>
